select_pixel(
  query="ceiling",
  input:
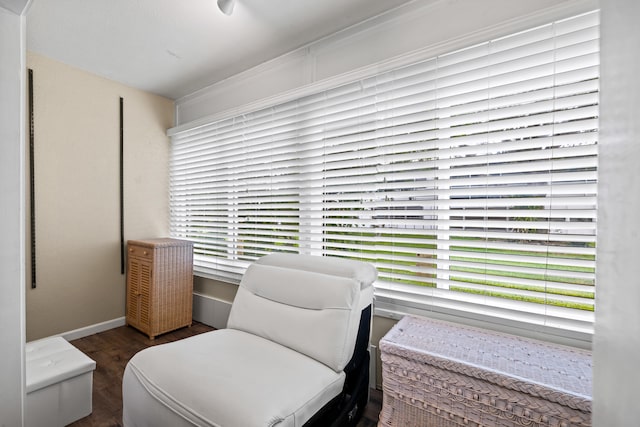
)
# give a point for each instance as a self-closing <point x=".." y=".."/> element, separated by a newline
<point x="15" y="6"/>
<point x="175" y="47"/>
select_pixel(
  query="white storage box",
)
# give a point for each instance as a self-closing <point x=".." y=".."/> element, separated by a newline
<point x="59" y="383"/>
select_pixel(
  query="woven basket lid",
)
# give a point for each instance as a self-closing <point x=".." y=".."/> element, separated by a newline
<point x="555" y="373"/>
<point x="160" y="242"/>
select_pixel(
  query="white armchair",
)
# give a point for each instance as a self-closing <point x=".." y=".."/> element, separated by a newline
<point x="295" y="353"/>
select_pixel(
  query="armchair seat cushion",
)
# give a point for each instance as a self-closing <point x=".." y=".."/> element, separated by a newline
<point x="226" y="378"/>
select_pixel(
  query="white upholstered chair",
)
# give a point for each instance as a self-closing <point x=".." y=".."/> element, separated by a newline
<point x="295" y="353"/>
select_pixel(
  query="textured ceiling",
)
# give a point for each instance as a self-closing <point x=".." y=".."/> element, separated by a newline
<point x="175" y="47"/>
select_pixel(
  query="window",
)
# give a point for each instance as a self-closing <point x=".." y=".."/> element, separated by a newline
<point x="468" y="179"/>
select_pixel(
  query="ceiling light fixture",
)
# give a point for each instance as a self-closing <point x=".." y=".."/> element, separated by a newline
<point x="226" y="6"/>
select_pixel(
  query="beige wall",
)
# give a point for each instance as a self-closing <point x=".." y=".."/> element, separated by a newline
<point x="77" y="192"/>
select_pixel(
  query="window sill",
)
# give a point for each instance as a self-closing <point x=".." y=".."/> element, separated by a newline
<point x="395" y="309"/>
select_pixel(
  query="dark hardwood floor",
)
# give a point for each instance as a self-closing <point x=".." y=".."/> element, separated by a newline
<point x="112" y="350"/>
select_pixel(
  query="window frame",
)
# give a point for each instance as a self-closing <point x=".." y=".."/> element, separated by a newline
<point x="394" y="302"/>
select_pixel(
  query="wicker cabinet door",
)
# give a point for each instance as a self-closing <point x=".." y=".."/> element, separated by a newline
<point x="139" y="280"/>
<point x="133" y="284"/>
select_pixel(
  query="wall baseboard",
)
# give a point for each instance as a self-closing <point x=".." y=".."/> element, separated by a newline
<point x="373" y="366"/>
<point x="207" y="310"/>
<point x="211" y="311"/>
<point x="92" y="329"/>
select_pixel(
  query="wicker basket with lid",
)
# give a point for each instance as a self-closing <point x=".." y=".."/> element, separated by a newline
<point x="437" y="373"/>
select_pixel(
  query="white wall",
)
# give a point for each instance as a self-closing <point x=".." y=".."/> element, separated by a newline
<point x="418" y="30"/>
<point x="12" y="275"/>
<point x="617" y="333"/>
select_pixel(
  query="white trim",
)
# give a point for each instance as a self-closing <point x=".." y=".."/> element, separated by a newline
<point x="394" y="311"/>
<point x="13" y="217"/>
<point x="92" y="329"/>
<point x="207" y="274"/>
<point x="266" y="66"/>
<point x="384" y="307"/>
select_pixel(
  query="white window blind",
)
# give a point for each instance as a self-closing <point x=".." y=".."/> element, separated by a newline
<point x="469" y="179"/>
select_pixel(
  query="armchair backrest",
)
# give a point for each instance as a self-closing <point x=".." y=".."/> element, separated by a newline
<point x="309" y="304"/>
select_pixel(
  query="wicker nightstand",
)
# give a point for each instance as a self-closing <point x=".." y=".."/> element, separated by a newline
<point x="159" y="285"/>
